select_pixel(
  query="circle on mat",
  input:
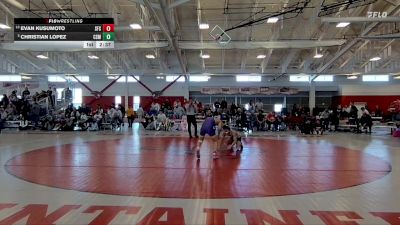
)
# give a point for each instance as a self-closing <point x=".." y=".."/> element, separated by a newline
<point x="166" y="167"/>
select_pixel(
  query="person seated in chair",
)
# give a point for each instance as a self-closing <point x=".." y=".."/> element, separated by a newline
<point x="366" y="120"/>
<point x="161" y="120"/>
<point x="271" y="120"/>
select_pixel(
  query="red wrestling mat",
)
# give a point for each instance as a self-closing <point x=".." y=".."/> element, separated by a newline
<point x="167" y="167"/>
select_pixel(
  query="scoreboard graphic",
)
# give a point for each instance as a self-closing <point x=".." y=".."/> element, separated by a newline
<point x="92" y="32"/>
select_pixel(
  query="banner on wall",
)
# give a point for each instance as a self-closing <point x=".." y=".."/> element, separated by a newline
<point x="249" y="90"/>
<point x="30" y="85"/>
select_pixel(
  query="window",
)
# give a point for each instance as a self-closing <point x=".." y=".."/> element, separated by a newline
<point x="53" y="78"/>
<point x="59" y="93"/>
<point x="130" y="79"/>
<point x="199" y="78"/>
<point x="77" y="96"/>
<point x="324" y="78"/>
<point x="136" y="103"/>
<point x="299" y="78"/>
<point x="62" y="79"/>
<point x="118" y="100"/>
<point x="278" y="108"/>
<point x="375" y="78"/>
<point x="11" y="78"/>
<point x="244" y="78"/>
<point x="172" y="78"/>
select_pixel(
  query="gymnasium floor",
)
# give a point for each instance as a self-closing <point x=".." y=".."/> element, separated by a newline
<point x="141" y="177"/>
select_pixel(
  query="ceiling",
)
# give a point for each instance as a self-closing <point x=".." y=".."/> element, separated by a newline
<point x="171" y="33"/>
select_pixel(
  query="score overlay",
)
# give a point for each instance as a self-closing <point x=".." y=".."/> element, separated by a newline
<point x="92" y="32"/>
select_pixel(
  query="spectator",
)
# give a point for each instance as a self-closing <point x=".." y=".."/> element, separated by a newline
<point x="260" y="120"/>
<point x="26" y="93"/>
<point x="259" y="105"/>
<point x="252" y="107"/>
<point x="224" y="104"/>
<point x="13" y="97"/>
<point x="166" y="106"/>
<point x="123" y="112"/>
<point x="366" y="120"/>
<point x="271" y="120"/>
<point x="54" y="96"/>
<point x="161" y="120"/>
<point x="378" y="111"/>
<point x="217" y="105"/>
<point x="191" y="111"/>
<point x="295" y="110"/>
<point x="4" y="101"/>
<point x="130" y="116"/>
<point x="35" y="113"/>
<point x="179" y="111"/>
<point x="324" y="119"/>
<point x="67" y="95"/>
<point x="233" y="109"/>
<point x="3" y="117"/>
<point x="140" y="113"/>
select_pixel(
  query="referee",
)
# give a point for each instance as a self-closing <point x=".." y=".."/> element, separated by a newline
<point x="191" y="110"/>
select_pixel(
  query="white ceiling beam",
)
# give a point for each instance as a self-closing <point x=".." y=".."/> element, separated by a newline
<point x="177" y="3"/>
<point x="359" y="19"/>
<point x="71" y="46"/>
<point x="16" y="4"/>
<point x="6" y="9"/>
<point x="141" y="2"/>
<point x="288" y="60"/>
<point x="300" y="44"/>
<point x="75" y="46"/>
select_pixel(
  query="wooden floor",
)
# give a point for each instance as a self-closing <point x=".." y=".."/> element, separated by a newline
<point x="141" y="177"/>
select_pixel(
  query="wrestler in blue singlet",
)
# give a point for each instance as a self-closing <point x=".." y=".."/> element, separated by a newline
<point x="208" y="127"/>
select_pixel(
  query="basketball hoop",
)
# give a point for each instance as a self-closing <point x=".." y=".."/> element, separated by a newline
<point x="96" y="94"/>
<point x="156" y="94"/>
<point x="219" y="35"/>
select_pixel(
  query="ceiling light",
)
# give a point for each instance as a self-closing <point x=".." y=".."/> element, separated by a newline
<point x="204" y="26"/>
<point x="160" y="78"/>
<point x="397" y="77"/>
<point x="318" y="56"/>
<point x="112" y="77"/>
<point x="4" y="26"/>
<point x="42" y="57"/>
<point x="206" y="56"/>
<point x="375" y="59"/>
<point x="150" y="56"/>
<point x="93" y="57"/>
<point x="26" y="78"/>
<point x="261" y="56"/>
<point x="352" y="77"/>
<point x="342" y="24"/>
<point x="136" y="26"/>
<point x="272" y="20"/>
